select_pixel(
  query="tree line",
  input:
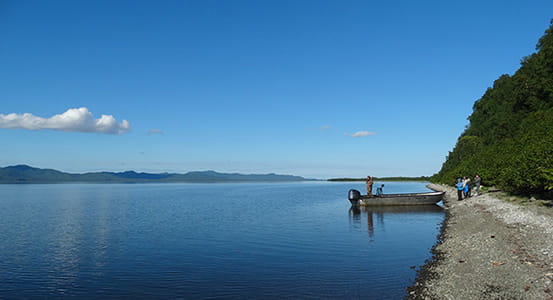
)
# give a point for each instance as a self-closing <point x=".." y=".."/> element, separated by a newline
<point x="400" y="178"/>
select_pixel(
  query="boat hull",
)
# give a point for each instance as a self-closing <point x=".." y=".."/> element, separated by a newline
<point x="399" y="199"/>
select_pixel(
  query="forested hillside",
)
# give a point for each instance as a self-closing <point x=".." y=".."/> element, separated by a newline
<point x="509" y="140"/>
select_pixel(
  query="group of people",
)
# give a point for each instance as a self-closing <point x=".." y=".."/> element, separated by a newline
<point x="464" y="187"/>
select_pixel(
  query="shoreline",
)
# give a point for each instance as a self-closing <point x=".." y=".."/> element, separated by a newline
<point x="489" y="249"/>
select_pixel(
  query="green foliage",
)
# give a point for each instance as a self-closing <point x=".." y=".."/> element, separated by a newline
<point x="509" y="141"/>
<point x="548" y="175"/>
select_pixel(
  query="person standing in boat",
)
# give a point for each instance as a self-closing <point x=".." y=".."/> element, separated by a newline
<point x="369" y="186"/>
<point x="459" y="189"/>
<point x="379" y="191"/>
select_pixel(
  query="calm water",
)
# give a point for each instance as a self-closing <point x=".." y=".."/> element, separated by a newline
<point x="206" y="241"/>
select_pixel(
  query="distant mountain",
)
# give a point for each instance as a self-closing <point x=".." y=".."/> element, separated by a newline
<point x="27" y="174"/>
<point x="212" y="176"/>
<point x="24" y="173"/>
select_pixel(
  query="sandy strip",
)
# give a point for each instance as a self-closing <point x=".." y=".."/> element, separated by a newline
<point x="489" y="249"/>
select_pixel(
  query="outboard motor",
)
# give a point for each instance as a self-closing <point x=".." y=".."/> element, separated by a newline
<point x="354" y="196"/>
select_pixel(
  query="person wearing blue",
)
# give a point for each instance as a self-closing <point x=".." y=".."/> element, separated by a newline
<point x="460" y="188"/>
<point x="466" y="187"/>
<point x="379" y="191"/>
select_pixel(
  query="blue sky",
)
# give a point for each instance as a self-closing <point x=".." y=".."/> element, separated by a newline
<point x="313" y="88"/>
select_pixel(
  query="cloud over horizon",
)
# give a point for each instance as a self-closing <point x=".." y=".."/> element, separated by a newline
<point x="155" y="131"/>
<point x="324" y="127"/>
<point x="360" y="134"/>
<point x="73" y="120"/>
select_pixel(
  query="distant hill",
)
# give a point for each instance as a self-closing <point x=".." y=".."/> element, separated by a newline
<point x="27" y="174"/>
<point x="509" y="141"/>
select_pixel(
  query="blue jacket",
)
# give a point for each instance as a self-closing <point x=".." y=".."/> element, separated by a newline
<point x="460" y="186"/>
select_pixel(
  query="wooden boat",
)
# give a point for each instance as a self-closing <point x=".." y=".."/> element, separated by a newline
<point x="357" y="199"/>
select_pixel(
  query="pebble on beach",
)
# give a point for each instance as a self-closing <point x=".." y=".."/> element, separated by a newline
<point x="489" y="249"/>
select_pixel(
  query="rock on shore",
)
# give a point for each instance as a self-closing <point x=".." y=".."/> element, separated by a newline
<point x="489" y="249"/>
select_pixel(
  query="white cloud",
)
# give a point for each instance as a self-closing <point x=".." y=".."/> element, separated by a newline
<point x="325" y="127"/>
<point x="155" y="131"/>
<point x="74" y="119"/>
<point x="360" y="134"/>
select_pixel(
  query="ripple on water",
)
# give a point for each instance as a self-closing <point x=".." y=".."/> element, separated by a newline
<point x="284" y="240"/>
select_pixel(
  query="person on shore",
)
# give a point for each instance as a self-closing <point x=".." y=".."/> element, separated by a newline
<point x="459" y="189"/>
<point x="369" y="186"/>
<point x="466" y="187"/>
<point x="477" y="181"/>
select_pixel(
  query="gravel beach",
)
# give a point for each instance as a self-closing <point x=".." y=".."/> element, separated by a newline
<point x="489" y="249"/>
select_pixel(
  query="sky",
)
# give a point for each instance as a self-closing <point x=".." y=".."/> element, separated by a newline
<point x="319" y="89"/>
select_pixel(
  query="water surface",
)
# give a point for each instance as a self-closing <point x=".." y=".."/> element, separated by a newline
<point x="205" y="241"/>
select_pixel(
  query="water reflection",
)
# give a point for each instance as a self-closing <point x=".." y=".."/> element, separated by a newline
<point x="64" y="242"/>
<point x="375" y="214"/>
<point x="164" y="241"/>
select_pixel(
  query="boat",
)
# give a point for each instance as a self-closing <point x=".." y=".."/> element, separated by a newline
<point x="429" y="198"/>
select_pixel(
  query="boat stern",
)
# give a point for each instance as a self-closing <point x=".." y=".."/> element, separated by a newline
<point x="354" y="196"/>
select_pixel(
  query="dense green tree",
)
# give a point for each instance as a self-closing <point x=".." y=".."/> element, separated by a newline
<point x="509" y="140"/>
